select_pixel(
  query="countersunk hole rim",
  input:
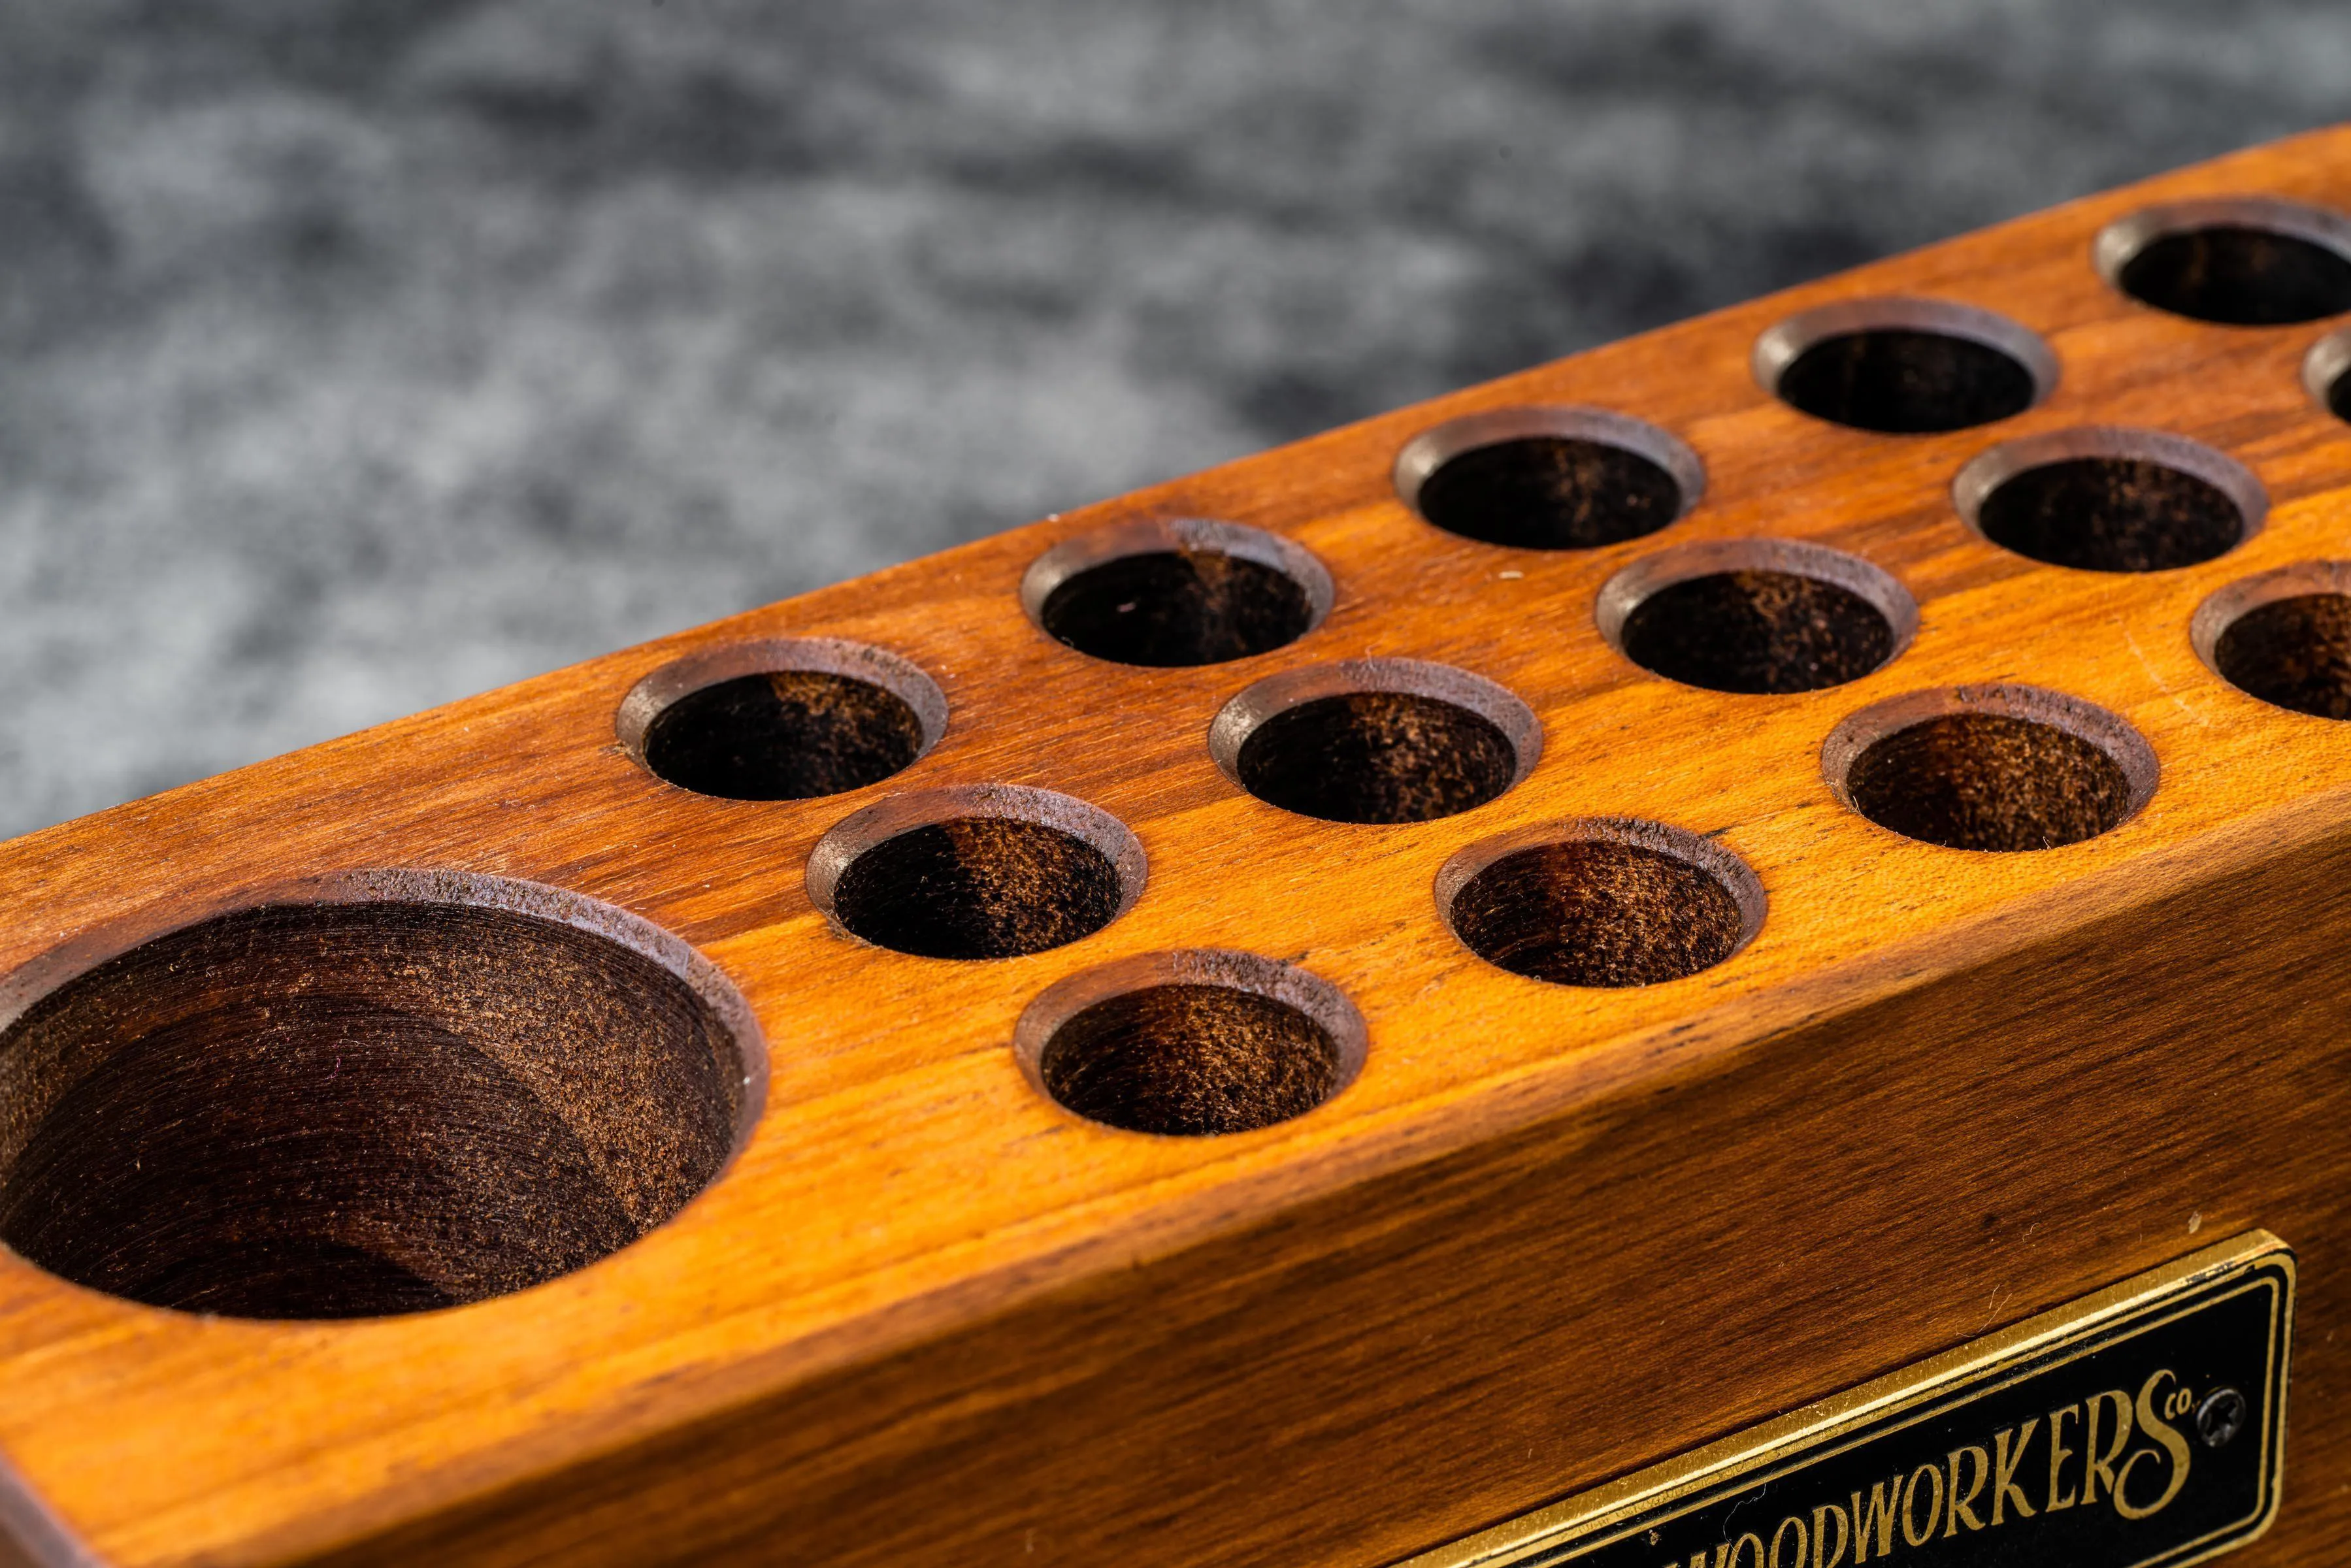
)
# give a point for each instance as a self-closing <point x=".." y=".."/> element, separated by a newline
<point x="2324" y="368"/>
<point x="53" y="975"/>
<point x="1288" y="984"/>
<point x="874" y="827"/>
<point x="1780" y="345"/>
<point x="1989" y="470"/>
<point x="2226" y="607"/>
<point x="2121" y="242"/>
<point x="1728" y="870"/>
<point x="661" y="690"/>
<point x="1623" y="594"/>
<point x="2111" y="735"/>
<point x="1255" y="705"/>
<point x="1420" y="458"/>
<point x="1183" y="536"/>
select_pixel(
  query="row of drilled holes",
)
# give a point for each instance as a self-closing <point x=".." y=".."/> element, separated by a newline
<point x="419" y="1019"/>
<point x="1393" y="741"/>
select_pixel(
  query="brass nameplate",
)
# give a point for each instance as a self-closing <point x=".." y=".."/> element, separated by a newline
<point x="2140" y="1428"/>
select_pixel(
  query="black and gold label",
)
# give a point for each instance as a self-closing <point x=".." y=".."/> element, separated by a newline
<point x="2140" y="1428"/>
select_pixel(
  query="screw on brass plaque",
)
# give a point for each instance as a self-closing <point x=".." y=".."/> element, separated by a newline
<point x="2102" y="1435"/>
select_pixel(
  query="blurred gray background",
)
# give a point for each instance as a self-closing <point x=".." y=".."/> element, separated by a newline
<point x="356" y="355"/>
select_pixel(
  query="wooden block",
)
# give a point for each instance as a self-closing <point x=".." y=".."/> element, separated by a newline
<point x="457" y="1144"/>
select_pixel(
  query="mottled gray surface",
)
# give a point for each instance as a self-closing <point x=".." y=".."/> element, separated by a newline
<point x="361" y="354"/>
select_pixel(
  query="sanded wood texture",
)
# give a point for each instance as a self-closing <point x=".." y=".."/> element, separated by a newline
<point x="1871" y="1095"/>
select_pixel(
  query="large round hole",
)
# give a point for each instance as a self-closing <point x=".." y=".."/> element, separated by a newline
<point x="2284" y="636"/>
<point x="979" y="871"/>
<point x="783" y="720"/>
<point x="1990" y="768"/>
<point x="354" y="1109"/>
<point x="2101" y="498"/>
<point x="1376" y="740"/>
<point x="1549" y="479"/>
<point x="1905" y="367"/>
<point x="1191" y="1044"/>
<point x="1601" y="902"/>
<point x="2248" y="262"/>
<point x="1760" y="616"/>
<point x="1187" y="591"/>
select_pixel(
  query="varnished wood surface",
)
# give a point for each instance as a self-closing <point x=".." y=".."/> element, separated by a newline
<point x="1546" y="1235"/>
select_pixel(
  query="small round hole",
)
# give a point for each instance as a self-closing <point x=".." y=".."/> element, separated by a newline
<point x="1990" y="768"/>
<point x="2101" y="498"/>
<point x="1605" y="903"/>
<point x="1191" y="1044"/>
<point x="2248" y="262"/>
<point x="1549" y="479"/>
<point x="2326" y="372"/>
<point x="1760" y="616"/>
<point x="783" y="720"/>
<point x="2284" y="636"/>
<point x="374" y="1100"/>
<point x="990" y="870"/>
<point x="1188" y="592"/>
<point x="1376" y="740"/>
<point x="1905" y="367"/>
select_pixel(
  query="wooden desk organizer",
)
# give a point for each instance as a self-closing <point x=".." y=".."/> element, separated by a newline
<point x="1297" y="1109"/>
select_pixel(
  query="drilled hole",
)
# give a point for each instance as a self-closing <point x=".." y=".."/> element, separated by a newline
<point x="989" y="871"/>
<point x="1758" y="631"/>
<point x="1905" y="367"/>
<point x="354" y="1109"/>
<point x="2111" y="500"/>
<point x="1189" y="608"/>
<point x="1376" y="740"/>
<point x="1759" y="616"/>
<point x="1907" y="382"/>
<point x="1377" y="757"/>
<point x="1549" y="479"/>
<point x="1190" y="1060"/>
<point x="2284" y="636"/>
<point x="782" y="721"/>
<point x="2112" y="514"/>
<point x="2296" y="653"/>
<point x="2326" y="372"/>
<point x="786" y="735"/>
<point x="2004" y="769"/>
<point x="1191" y="1044"/>
<point x="1630" y="903"/>
<point x="1186" y="592"/>
<point x="2247" y="263"/>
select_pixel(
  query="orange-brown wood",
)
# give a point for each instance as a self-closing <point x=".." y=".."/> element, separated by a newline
<point x="1546" y="1235"/>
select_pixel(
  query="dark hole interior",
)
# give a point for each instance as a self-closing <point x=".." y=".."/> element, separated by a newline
<point x="2239" y="277"/>
<point x="1594" y="913"/>
<point x="1759" y="632"/>
<point x="2111" y="514"/>
<point x="1904" y="381"/>
<point x="1168" y="608"/>
<point x="788" y="735"/>
<point x="2296" y="653"/>
<point x="1190" y="1060"/>
<point x="338" y="1111"/>
<point x="1989" y="781"/>
<point x="978" y="887"/>
<point x="2338" y="396"/>
<point x="1551" y="492"/>
<point x="1376" y="757"/>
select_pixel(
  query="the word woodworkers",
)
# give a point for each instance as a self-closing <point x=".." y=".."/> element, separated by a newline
<point x="2110" y="1450"/>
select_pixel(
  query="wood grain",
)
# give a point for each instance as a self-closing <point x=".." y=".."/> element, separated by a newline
<point x="1545" y="1235"/>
